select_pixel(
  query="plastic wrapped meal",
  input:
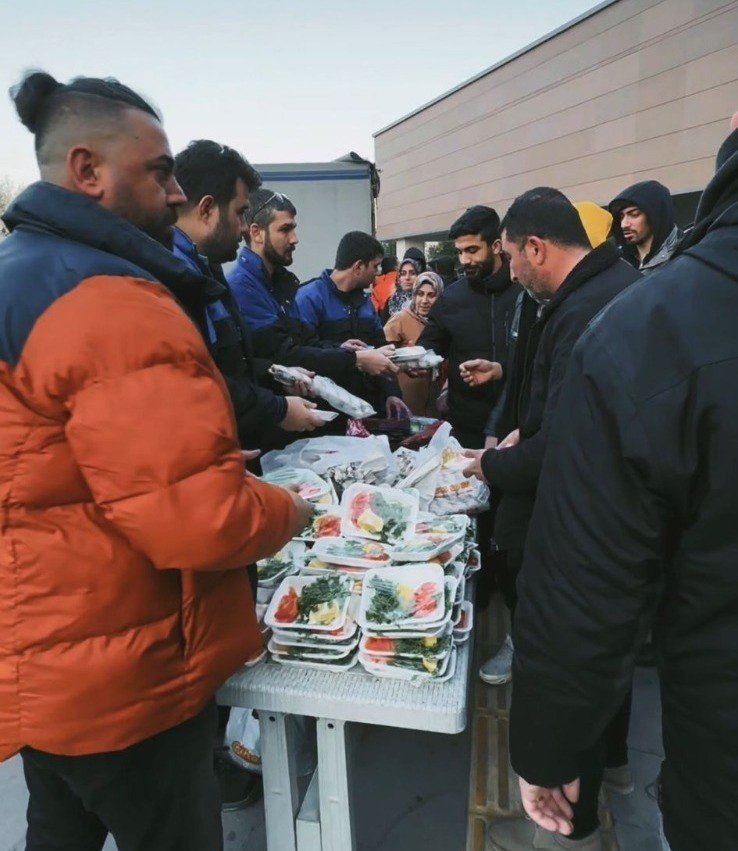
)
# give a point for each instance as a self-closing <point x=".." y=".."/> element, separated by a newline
<point x="380" y="513"/>
<point x="318" y="602"/>
<point x="351" y="552"/>
<point x="309" y="484"/>
<point x="326" y="389"/>
<point x="325" y="523"/>
<point x="403" y="596"/>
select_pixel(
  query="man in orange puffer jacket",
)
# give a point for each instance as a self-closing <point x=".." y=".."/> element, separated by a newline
<point x="126" y="514"/>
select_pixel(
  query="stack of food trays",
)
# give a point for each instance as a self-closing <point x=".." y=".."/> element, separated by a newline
<point x="372" y="521"/>
<point x="313" y="624"/>
<point x="271" y="571"/>
<point x="374" y="545"/>
<point x="406" y="615"/>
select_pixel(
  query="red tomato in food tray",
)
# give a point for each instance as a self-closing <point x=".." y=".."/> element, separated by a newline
<point x="287" y="608"/>
<point x="328" y="526"/>
<point x="425" y="600"/>
<point x="380" y="645"/>
<point x="359" y="505"/>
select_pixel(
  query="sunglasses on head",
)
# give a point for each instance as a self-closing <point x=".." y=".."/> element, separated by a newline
<point x="275" y="196"/>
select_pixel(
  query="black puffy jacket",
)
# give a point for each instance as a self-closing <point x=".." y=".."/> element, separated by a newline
<point x="472" y="320"/>
<point x="636" y="526"/>
<point x="593" y="282"/>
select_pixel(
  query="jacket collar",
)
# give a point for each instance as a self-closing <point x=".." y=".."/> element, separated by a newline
<point x="592" y="264"/>
<point x="494" y="283"/>
<point x="349" y="297"/>
<point x="52" y="209"/>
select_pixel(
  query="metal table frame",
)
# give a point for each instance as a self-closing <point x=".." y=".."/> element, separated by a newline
<point x="325" y="822"/>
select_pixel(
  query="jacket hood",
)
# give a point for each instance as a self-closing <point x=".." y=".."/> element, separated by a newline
<point x="596" y="220"/>
<point x="53" y="209"/>
<point x="718" y="205"/>
<point x="417" y="255"/>
<point x="656" y="202"/>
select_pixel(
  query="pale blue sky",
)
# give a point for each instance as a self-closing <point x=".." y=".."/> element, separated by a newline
<point x="282" y="82"/>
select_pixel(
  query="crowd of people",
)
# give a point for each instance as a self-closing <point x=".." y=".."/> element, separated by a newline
<point x="588" y="372"/>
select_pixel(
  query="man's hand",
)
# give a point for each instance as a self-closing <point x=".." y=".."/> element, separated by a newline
<point x="249" y="455"/>
<point x="354" y="345"/>
<point x="479" y="371"/>
<point x="474" y="467"/>
<point x="300" y="416"/>
<point x="397" y="409"/>
<point x="301" y="388"/>
<point x="303" y="512"/>
<point x="513" y="439"/>
<point x="550" y="808"/>
<point x="376" y="361"/>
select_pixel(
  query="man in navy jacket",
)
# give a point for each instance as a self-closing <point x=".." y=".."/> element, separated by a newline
<point x="265" y="290"/>
<point x="336" y="307"/>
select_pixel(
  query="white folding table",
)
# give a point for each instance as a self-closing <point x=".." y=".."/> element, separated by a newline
<point x="325" y="821"/>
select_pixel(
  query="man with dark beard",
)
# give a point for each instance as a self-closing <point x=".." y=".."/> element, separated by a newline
<point x="265" y="290"/>
<point x="217" y="181"/>
<point x="471" y="319"/>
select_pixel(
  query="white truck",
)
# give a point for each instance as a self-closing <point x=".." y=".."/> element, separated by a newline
<point x="331" y="199"/>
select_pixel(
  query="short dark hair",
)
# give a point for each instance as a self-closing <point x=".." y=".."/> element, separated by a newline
<point x="477" y="221"/>
<point x="389" y="264"/>
<point x="263" y="205"/>
<point x="357" y="246"/>
<point x="548" y="214"/>
<point x="46" y="106"/>
<point x="205" y="168"/>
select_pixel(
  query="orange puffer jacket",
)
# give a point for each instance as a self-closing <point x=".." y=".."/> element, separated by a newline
<point x="126" y="516"/>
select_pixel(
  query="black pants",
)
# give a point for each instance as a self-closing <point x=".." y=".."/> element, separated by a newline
<point x="158" y="795"/>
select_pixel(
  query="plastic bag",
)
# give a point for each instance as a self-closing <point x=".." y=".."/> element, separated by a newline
<point x="243" y="740"/>
<point x="342" y="459"/>
<point x="454" y="492"/>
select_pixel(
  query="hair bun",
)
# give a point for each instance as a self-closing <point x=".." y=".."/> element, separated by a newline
<point x="30" y="94"/>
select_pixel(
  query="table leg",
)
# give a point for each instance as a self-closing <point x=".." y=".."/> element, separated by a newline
<point x="281" y="799"/>
<point x="336" y="819"/>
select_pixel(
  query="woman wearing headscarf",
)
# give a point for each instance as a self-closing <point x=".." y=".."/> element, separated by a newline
<point x="403" y="329"/>
<point x="407" y="275"/>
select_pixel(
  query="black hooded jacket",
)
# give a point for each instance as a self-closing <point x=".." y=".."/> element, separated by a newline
<point x="635" y="528"/>
<point x="655" y="200"/>
<point x="588" y="288"/>
<point x="472" y="319"/>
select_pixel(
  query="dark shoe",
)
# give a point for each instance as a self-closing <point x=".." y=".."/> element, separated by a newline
<point x="238" y="788"/>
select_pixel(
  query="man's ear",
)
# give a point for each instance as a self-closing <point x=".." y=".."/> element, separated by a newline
<point x="536" y="250"/>
<point x="256" y="234"/>
<point x="84" y="169"/>
<point x="207" y="208"/>
<point x="497" y="246"/>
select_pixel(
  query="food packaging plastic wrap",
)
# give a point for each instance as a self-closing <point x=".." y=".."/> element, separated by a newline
<point x="326" y="389"/>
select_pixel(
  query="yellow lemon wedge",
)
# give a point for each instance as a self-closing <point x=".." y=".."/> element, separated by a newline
<point x="405" y="596"/>
<point x="370" y="522"/>
<point x="324" y="613"/>
<point x="430" y="665"/>
<point x="429" y="641"/>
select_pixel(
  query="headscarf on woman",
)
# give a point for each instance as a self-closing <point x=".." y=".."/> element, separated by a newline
<point x="432" y="278"/>
<point x="400" y="297"/>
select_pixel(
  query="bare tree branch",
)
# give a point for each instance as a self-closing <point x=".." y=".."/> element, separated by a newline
<point x="9" y="188"/>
